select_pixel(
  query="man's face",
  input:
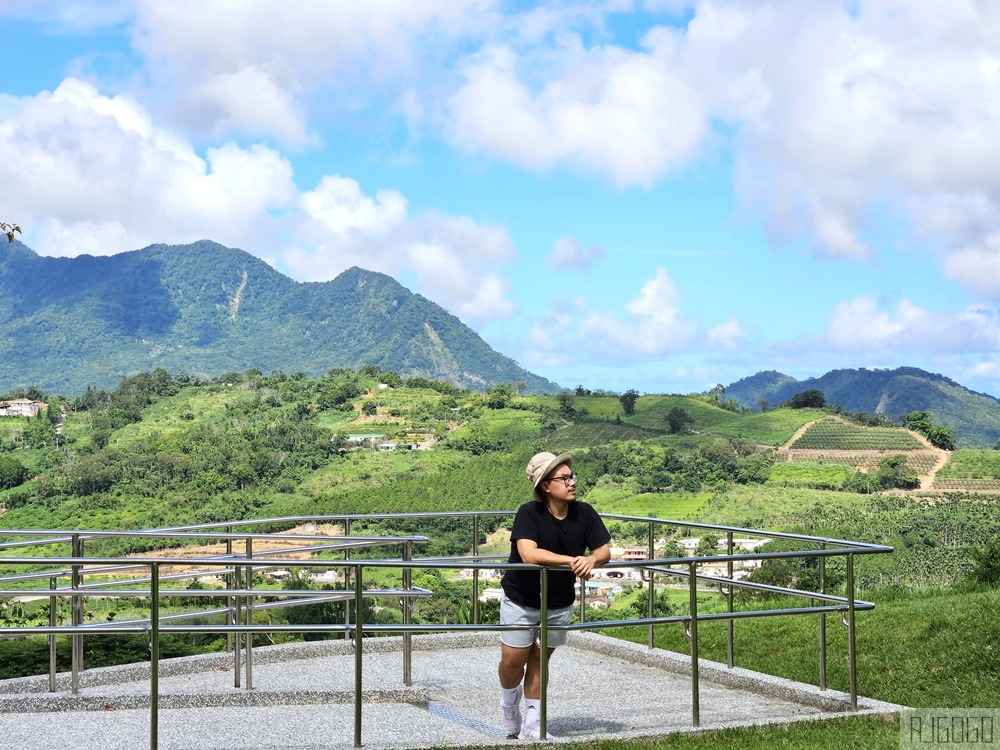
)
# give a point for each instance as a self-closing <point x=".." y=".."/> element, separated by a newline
<point x="561" y="484"/>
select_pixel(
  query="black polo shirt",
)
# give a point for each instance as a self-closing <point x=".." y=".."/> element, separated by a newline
<point x="580" y="531"/>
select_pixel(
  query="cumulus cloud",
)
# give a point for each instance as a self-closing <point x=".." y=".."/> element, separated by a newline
<point x="866" y="324"/>
<point x="570" y="253"/>
<point x="95" y="174"/>
<point x="977" y="267"/>
<point x="259" y="69"/>
<point x="654" y="326"/>
<point x="628" y="115"/>
<point x="453" y="258"/>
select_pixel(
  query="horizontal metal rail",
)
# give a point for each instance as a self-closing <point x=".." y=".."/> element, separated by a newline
<point x="244" y="599"/>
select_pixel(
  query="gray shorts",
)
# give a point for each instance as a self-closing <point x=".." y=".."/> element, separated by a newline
<point x="512" y="613"/>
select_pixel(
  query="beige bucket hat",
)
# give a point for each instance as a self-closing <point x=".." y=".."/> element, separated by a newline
<point x="541" y="465"/>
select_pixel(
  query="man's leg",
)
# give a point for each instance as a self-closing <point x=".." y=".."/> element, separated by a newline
<point x="533" y="672"/>
<point x="512" y="664"/>
<point x="511" y="672"/>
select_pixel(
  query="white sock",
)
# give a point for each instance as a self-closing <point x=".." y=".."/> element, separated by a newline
<point x="532" y="704"/>
<point x="508" y="696"/>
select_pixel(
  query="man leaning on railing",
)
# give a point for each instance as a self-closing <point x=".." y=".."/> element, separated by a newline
<point x="554" y="529"/>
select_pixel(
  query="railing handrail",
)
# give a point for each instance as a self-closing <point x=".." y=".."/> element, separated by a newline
<point x="242" y="600"/>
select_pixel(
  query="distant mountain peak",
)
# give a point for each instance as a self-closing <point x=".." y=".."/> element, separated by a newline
<point x="205" y="309"/>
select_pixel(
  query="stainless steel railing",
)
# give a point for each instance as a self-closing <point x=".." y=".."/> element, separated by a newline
<point x="241" y="598"/>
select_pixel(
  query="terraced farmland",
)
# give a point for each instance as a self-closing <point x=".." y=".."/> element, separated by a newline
<point x="946" y="484"/>
<point x="830" y="434"/>
<point x="922" y="461"/>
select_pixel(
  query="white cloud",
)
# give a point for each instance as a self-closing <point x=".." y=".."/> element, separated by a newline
<point x="453" y="258"/>
<point x="252" y="100"/>
<point x="864" y="324"/>
<point x="654" y="327"/>
<point x="628" y="115"/>
<point x="978" y="268"/>
<point x="730" y="336"/>
<point x="91" y="173"/>
<point x="220" y="62"/>
<point x="570" y="253"/>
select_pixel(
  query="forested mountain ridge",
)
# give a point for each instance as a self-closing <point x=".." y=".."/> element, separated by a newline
<point x="205" y="309"/>
<point x="974" y="417"/>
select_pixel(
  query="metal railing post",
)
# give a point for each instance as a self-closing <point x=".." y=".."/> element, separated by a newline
<point x="407" y="635"/>
<point x="729" y="601"/>
<point x="154" y="656"/>
<point x="230" y="619"/>
<point x="358" y="635"/>
<point x="237" y="618"/>
<point x="822" y="622"/>
<point x="852" y="664"/>
<point x="693" y="632"/>
<point x="249" y="615"/>
<point x="652" y="588"/>
<point x="76" y="617"/>
<point x="543" y="656"/>
<point x="53" y="607"/>
<point x="347" y="580"/>
<point x="475" y="571"/>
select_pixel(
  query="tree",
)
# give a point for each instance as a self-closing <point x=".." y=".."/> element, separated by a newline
<point x="763" y="403"/>
<point x="369" y="408"/>
<point x="894" y="471"/>
<point x="9" y="230"/>
<point x="942" y="437"/>
<point x="565" y="403"/>
<point x="12" y="473"/>
<point x="717" y="392"/>
<point x="918" y="421"/>
<point x="811" y="399"/>
<point x="707" y="546"/>
<point x="628" y="400"/>
<point x="678" y="419"/>
<point x="499" y="396"/>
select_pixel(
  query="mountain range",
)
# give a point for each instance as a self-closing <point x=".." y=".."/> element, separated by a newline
<point x="204" y="310"/>
<point x="974" y="417"/>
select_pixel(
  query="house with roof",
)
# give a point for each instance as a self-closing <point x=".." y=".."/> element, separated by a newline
<point x="20" y="407"/>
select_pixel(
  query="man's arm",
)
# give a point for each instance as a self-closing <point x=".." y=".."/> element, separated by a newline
<point x="582" y="566"/>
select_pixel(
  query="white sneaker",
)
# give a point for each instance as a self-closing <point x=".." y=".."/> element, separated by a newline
<point x="512" y="716"/>
<point x="532" y="727"/>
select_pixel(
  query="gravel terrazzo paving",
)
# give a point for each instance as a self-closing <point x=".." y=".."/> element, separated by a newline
<point x="302" y="699"/>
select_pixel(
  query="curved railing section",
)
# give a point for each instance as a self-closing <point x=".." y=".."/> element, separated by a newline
<point x="40" y="568"/>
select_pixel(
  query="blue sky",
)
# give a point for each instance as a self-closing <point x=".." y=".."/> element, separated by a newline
<point x="650" y="194"/>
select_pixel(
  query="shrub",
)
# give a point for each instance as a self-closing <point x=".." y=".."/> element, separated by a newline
<point x="987" y="564"/>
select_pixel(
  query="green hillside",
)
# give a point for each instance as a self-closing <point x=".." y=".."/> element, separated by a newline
<point x="205" y="310"/>
<point x="974" y="417"/>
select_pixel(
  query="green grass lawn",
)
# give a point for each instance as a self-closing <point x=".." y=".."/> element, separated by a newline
<point x="933" y="649"/>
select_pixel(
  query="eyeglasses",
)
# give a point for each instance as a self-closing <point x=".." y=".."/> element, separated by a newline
<point x="566" y="479"/>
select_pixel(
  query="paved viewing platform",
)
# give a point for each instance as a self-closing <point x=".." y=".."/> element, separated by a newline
<point x="303" y="698"/>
